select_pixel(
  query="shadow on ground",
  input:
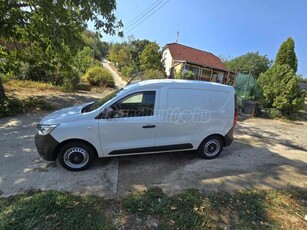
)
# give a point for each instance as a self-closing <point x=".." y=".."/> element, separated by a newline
<point x="240" y="166"/>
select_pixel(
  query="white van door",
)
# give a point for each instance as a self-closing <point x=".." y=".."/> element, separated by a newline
<point x="133" y="127"/>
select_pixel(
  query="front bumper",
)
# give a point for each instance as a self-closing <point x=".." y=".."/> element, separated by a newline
<point x="46" y="145"/>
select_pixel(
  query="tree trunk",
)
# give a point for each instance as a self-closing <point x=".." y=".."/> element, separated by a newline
<point x="2" y="93"/>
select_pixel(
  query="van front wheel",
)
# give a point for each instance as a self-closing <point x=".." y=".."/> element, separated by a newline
<point x="211" y="147"/>
<point x="76" y="156"/>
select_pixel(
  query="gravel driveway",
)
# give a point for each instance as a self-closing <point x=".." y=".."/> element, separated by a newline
<point x="265" y="154"/>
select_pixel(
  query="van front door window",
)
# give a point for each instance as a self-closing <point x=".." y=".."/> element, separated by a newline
<point x="135" y="105"/>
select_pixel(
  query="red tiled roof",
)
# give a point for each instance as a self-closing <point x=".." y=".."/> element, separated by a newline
<point x="189" y="54"/>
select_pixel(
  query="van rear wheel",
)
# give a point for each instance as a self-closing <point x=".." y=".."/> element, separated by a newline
<point x="211" y="147"/>
<point x="76" y="156"/>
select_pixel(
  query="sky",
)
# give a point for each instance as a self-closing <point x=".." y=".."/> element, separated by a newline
<point x="227" y="28"/>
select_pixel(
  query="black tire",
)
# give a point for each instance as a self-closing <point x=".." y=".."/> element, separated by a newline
<point x="76" y="156"/>
<point x="211" y="147"/>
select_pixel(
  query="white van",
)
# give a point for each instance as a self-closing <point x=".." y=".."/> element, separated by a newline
<point x="145" y="117"/>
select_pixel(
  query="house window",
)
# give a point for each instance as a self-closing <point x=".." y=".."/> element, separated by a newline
<point x="214" y="77"/>
<point x="193" y="69"/>
<point x="205" y="74"/>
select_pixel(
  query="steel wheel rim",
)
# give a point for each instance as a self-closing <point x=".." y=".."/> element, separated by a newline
<point x="212" y="147"/>
<point x="76" y="157"/>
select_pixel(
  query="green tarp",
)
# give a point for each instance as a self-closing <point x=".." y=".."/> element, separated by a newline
<point x="246" y="88"/>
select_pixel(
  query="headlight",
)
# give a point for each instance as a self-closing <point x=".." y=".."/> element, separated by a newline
<point x="44" y="129"/>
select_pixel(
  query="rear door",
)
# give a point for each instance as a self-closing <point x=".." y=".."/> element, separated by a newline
<point x="133" y="128"/>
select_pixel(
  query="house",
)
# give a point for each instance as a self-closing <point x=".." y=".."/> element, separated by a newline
<point x="181" y="61"/>
<point x="303" y="85"/>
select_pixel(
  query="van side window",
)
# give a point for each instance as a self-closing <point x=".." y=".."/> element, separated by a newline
<point x="135" y="105"/>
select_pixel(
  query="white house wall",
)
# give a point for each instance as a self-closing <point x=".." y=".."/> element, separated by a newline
<point x="167" y="60"/>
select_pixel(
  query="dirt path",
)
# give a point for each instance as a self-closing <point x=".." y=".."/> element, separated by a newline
<point x="119" y="82"/>
<point x="291" y="134"/>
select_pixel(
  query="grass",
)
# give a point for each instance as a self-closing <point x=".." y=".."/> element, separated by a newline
<point x="53" y="210"/>
<point x="244" y="209"/>
<point x="17" y="84"/>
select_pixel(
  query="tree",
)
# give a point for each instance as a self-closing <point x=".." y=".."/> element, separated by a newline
<point x="52" y="26"/>
<point x="286" y="54"/>
<point x="92" y="40"/>
<point x="119" y="53"/>
<point x="280" y="85"/>
<point x="137" y="47"/>
<point x="83" y="59"/>
<point x="102" y="49"/>
<point x="135" y="55"/>
<point x="250" y="62"/>
<point x="127" y="54"/>
<point x="150" y="57"/>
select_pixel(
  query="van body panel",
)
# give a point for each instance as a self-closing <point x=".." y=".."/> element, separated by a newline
<point x="192" y="114"/>
<point x="85" y="128"/>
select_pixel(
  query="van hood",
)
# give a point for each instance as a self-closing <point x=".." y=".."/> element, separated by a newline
<point x="64" y="115"/>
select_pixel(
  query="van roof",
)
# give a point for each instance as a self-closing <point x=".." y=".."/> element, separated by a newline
<point x="159" y="83"/>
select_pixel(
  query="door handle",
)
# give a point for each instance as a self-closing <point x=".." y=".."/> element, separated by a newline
<point x="148" y="126"/>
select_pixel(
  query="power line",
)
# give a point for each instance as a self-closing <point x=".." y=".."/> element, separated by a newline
<point x="144" y="11"/>
<point x="148" y="17"/>
<point x="142" y="15"/>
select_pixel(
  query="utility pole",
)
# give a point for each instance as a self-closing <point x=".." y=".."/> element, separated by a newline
<point x="177" y="39"/>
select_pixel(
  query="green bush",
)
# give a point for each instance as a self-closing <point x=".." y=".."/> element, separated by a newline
<point x="189" y="75"/>
<point x="84" y="59"/>
<point x="12" y="106"/>
<point x="273" y="113"/>
<point x="127" y="70"/>
<point x="96" y="63"/>
<point x="41" y="73"/>
<point x="153" y="74"/>
<point x="6" y="77"/>
<point x="71" y="79"/>
<point x="32" y="104"/>
<point x="99" y="76"/>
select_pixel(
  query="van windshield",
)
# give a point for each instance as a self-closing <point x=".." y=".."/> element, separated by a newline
<point x="99" y="102"/>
